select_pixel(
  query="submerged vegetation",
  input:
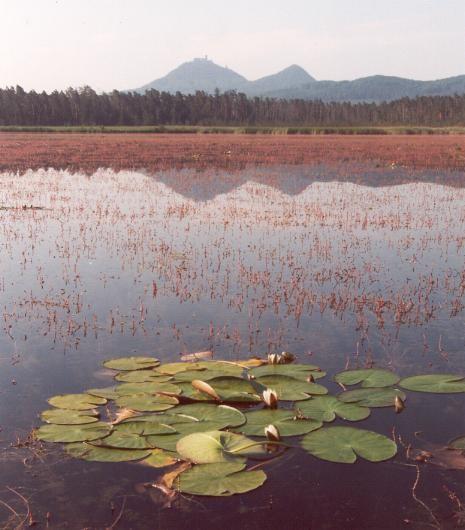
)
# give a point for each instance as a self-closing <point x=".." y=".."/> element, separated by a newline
<point x="199" y="417"/>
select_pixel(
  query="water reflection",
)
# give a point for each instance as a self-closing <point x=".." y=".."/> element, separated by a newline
<point x="343" y="273"/>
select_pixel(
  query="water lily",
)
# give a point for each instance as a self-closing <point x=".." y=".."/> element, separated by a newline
<point x="270" y="397"/>
<point x="272" y="433"/>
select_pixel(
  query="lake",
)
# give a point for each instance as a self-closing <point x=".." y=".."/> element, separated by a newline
<point x="352" y="270"/>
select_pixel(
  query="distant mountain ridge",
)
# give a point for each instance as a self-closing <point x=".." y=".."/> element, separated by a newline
<point x="295" y="82"/>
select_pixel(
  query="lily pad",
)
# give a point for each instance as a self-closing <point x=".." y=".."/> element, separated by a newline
<point x="105" y="454"/>
<point x="145" y="428"/>
<point x="73" y="433"/>
<point x="76" y="401"/>
<point x="107" y="393"/>
<point x="131" y="363"/>
<point x="344" y="444"/>
<point x="368" y="377"/>
<point x="283" y="420"/>
<point x="326" y="408"/>
<point x="176" y="368"/>
<point x="69" y="417"/>
<point x="372" y="397"/>
<point x="435" y="383"/>
<point x="147" y="402"/>
<point x="124" y="440"/>
<point x="159" y="458"/>
<point x="457" y="443"/>
<point x="297" y="371"/>
<point x="290" y="389"/>
<point x="126" y="389"/>
<point x="227" y="416"/>
<point x="217" y="446"/>
<point x="206" y="375"/>
<point x="142" y="376"/>
<point x="169" y="441"/>
<point x="219" y="480"/>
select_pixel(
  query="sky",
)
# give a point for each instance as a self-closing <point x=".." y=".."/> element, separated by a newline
<point x="123" y="44"/>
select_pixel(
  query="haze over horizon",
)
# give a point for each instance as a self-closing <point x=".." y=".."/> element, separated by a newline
<point x="107" y="44"/>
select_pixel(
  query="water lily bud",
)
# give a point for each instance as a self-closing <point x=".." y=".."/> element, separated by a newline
<point x="399" y="405"/>
<point x="272" y="433"/>
<point x="310" y="378"/>
<point x="287" y="357"/>
<point x="273" y="358"/>
<point x="270" y="397"/>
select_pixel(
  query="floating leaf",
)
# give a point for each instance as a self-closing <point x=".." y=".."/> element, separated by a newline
<point x="145" y="428"/>
<point x="169" y="441"/>
<point x="107" y="393"/>
<point x="283" y="420"/>
<point x="69" y="417"/>
<point x="326" y="408"/>
<point x="372" y="397"/>
<point x="124" y="440"/>
<point x="227" y="416"/>
<point x="217" y="446"/>
<point x="142" y="376"/>
<point x="76" y="401"/>
<point x="73" y="433"/>
<point x="105" y="454"/>
<point x="197" y="356"/>
<point x="344" y="444"/>
<point x="176" y="368"/>
<point x="147" y="402"/>
<point x="131" y="363"/>
<point x="159" y="458"/>
<point x="435" y="383"/>
<point x="126" y="389"/>
<point x="296" y="371"/>
<point x="219" y="480"/>
<point x="290" y="389"/>
<point x="369" y="377"/>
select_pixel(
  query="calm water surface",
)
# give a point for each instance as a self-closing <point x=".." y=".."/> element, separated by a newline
<point x="344" y="273"/>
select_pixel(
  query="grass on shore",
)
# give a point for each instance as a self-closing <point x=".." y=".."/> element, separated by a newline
<point x="181" y="129"/>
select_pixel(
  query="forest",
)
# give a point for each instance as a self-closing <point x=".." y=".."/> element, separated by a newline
<point x="84" y="106"/>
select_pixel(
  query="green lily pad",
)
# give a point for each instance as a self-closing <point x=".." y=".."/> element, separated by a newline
<point x="169" y="441"/>
<point x="107" y="393"/>
<point x="159" y="458"/>
<point x="369" y="377"/>
<point x="290" y="389"/>
<point x="73" y="433"/>
<point x="69" y="417"/>
<point x="176" y="368"/>
<point x="145" y="428"/>
<point x="219" y="480"/>
<point x="206" y="375"/>
<point x="227" y="416"/>
<point x="217" y="446"/>
<point x="372" y="397"/>
<point x="126" y="389"/>
<point x="164" y="417"/>
<point x="457" y="443"/>
<point x="283" y="420"/>
<point x="435" y="383"/>
<point x="124" y="440"/>
<point x="326" y="408"/>
<point x="147" y="402"/>
<point x="93" y="453"/>
<point x="131" y="363"/>
<point x="296" y="371"/>
<point x="142" y="376"/>
<point x="76" y="401"/>
<point x="230" y="389"/>
<point x="344" y="444"/>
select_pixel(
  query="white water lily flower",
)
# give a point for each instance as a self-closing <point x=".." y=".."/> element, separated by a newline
<point x="270" y="397"/>
<point x="272" y="433"/>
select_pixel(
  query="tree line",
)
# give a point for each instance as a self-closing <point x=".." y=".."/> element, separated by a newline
<point x="84" y="106"/>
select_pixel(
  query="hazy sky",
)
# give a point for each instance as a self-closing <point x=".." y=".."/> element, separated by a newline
<point x="47" y="44"/>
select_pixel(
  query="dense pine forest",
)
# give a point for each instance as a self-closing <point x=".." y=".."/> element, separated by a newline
<point x="84" y="106"/>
